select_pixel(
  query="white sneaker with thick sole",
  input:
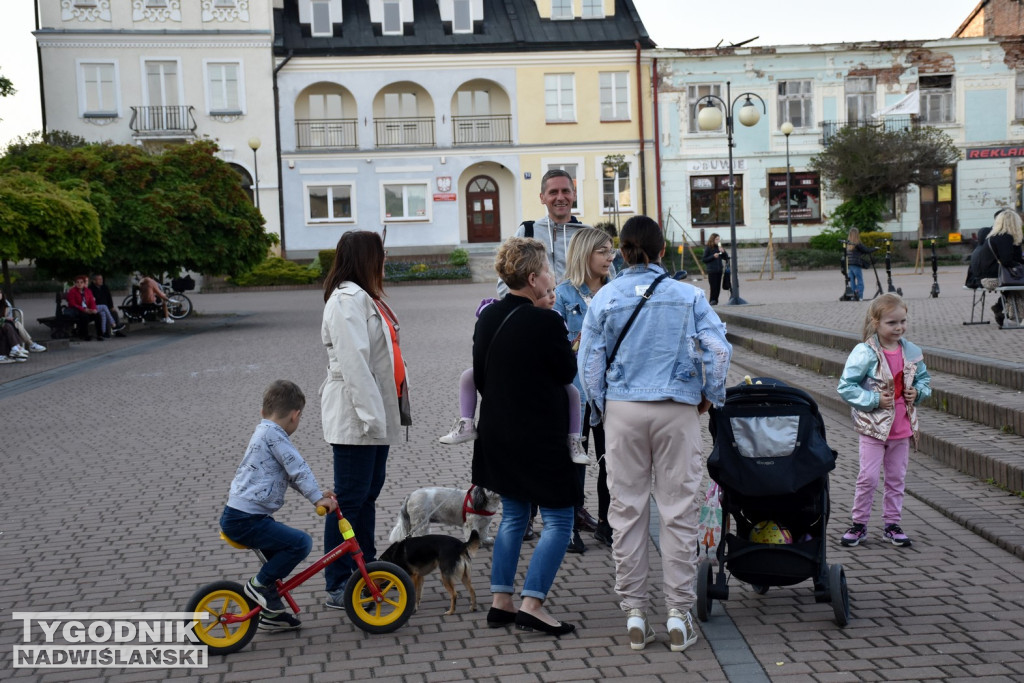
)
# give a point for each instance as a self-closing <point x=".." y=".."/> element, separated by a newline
<point x="577" y="452"/>
<point x="37" y="348"/>
<point x="639" y="630"/>
<point x="169" y="321"/>
<point x="462" y="431"/>
<point x="681" y="633"/>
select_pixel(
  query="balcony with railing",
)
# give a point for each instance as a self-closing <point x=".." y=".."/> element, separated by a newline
<point x="405" y="132"/>
<point x="175" y="121"/>
<point x="482" y="130"/>
<point x="326" y="133"/>
<point x="829" y="129"/>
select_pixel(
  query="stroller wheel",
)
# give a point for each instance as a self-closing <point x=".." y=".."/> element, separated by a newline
<point x="705" y="574"/>
<point x="839" y="593"/>
<point x="759" y="589"/>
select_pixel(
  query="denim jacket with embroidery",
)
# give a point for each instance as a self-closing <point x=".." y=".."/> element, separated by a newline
<point x="676" y="349"/>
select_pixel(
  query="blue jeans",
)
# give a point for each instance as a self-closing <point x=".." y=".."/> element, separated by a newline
<point x="856" y="280"/>
<point x="283" y="546"/>
<point x="359" y="473"/>
<point x="547" y="557"/>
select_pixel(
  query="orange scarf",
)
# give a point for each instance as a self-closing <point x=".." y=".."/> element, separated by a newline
<point x="392" y="322"/>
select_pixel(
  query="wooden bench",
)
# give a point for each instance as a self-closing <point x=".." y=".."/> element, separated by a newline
<point x="61" y="326"/>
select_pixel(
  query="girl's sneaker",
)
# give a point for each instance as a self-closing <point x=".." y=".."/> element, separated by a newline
<point x="681" y="633"/>
<point x="894" y="533"/>
<point x="462" y="431"/>
<point x="577" y="452"/>
<point x="854" y="535"/>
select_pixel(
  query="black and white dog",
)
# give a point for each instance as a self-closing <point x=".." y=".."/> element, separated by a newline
<point x="472" y="509"/>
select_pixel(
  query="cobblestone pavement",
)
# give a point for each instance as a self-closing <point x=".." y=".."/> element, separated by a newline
<point x="117" y="458"/>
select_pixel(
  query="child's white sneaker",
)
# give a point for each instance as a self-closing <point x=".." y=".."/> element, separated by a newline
<point x="681" y="633"/>
<point x="577" y="451"/>
<point x="462" y="431"/>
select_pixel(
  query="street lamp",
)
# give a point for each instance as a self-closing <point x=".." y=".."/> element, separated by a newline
<point x="787" y="130"/>
<point x="254" y="144"/>
<point x="709" y="117"/>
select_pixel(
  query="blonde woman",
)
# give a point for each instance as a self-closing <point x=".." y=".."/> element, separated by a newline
<point x="1003" y="247"/>
<point x="588" y="268"/>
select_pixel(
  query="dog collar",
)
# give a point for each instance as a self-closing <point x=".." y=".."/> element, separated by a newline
<point x="467" y="506"/>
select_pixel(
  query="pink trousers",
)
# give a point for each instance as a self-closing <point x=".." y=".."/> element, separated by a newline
<point x="874" y="455"/>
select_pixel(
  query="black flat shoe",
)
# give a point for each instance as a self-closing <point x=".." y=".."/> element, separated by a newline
<point x="528" y="622"/>
<point x="529" y="534"/>
<point x="496" y="617"/>
<point x="576" y="544"/>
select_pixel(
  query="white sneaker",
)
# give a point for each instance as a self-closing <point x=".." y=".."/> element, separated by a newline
<point x="18" y="352"/>
<point x="462" y="431"/>
<point x="577" y="452"/>
<point x="36" y="348"/>
<point x="640" y="631"/>
<point x="169" y="321"/>
<point x="7" y="359"/>
<point x="681" y="633"/>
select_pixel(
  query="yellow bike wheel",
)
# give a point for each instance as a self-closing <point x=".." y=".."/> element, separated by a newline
<point x="217" y="599"/>
<point x="388" y="615"/>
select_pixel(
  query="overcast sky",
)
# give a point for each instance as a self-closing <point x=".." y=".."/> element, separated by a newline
<point x="671" y="23"/>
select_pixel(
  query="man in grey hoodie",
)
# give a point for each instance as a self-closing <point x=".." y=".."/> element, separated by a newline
<point x="557" y="193"/>
<point x="555" y="230"/>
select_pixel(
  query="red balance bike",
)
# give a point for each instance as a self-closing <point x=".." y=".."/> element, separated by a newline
<point x="379" y="598"/>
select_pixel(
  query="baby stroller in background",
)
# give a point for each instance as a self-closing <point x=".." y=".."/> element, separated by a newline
<point x="771" y="460"/>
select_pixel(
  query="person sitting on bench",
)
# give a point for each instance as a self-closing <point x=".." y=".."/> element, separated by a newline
<point x="105" y="306"/>
<point x="1003" y="245"/>
<point x="151" y="293"/>
<point x="82" y="308"/>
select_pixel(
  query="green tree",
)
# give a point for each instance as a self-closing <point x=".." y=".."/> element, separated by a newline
<point x="41" y="220"/>
<point x="867" y="165"/>
<point x="183" y="208"/>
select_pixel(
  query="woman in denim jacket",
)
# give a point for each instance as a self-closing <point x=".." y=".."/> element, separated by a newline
<point x="588" y="268"/>
<point x="669" y="369"/>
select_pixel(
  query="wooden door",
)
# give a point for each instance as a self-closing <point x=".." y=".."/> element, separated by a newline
<point x="483" y="221"/>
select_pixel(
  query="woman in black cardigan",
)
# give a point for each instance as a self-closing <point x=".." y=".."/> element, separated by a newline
<point x="715" y="259"/>
<point x="522" y="361"/>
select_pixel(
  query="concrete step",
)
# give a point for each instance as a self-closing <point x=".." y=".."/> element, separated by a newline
<point x="987" y="370"/>
<point x="973" y="437"/>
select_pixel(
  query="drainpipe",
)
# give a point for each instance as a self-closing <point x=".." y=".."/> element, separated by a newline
<point x="640" y="118"/>
<point x="277" y="138"/>
<point x="39" y="66"/>
<point x="657" y="142"/>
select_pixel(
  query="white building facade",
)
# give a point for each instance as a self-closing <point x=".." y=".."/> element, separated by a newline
<point x="163" y="72"/>
<point x="970" y="88"/>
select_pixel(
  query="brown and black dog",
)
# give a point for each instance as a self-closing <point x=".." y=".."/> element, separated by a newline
<point x="420" y="555"/>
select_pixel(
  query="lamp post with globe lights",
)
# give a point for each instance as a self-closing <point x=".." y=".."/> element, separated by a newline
<point x="709" y="117"/>
<point x="254" y="144"/>
<point x="787" y="130"/>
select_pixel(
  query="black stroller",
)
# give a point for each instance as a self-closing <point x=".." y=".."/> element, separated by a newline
<point x="771" y="460"/>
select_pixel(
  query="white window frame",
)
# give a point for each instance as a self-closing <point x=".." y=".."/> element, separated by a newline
<point x="554" y="83"/>
<point x="619" y="110"/>
<point x="579" y="164"/>
<point x="329" y="186"/>
<point x="944" y="97"/>
<point x="428" y="208"/>
<point x="630" y="162"/>
<point x="863" y="96"/>
<point x="147" y="97"/>
<point x="83" y="98"/>
<point x="805" y="98"/>
<point x="384" y="21"/>
<point x="593" y="9"/>
<point x="565" y="9"/>
<point x="316" y="31"/>
<point x="208" y="84"/>
<point x="695" y="94"/>
<point x="1019" y="106"/>
<point x="455" y="16"/>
